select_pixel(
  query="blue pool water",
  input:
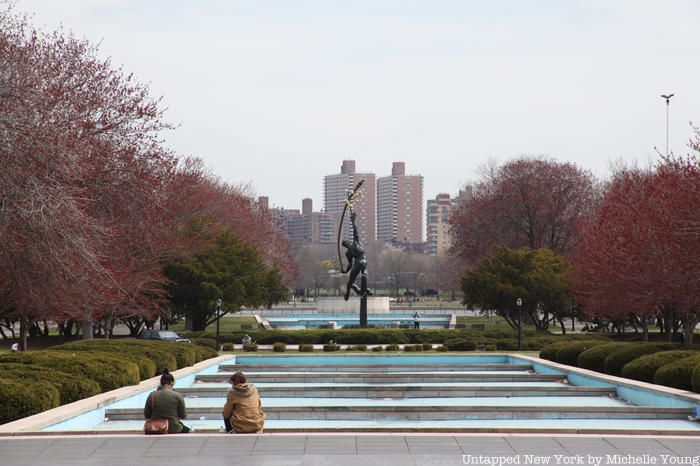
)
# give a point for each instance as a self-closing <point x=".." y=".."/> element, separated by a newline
<point x="342" y="320"/>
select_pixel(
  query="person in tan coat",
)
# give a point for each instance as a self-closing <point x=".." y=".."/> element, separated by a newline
<point x="243" y="412"/>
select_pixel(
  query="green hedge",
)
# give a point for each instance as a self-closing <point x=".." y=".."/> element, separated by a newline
<point x="549" y="352"/>
<point x="507" y="344"/>
<point x="279" y="347"/>
<point x="594" y="358"/>
<point x="159" y="354"/>
<point x="331" y="347"/>
<point x="202" y="353"/>
<point x="644" y="367"/>
<point x="71" y="387"/>
<point x="568" y="354"/>
<point x="460" y="344"/>
<point x="227" y="347"/>
<point x="678" y="374"/>
<point x="413" y="348"/>
<point x="343" y="336"/>
<point x="501" y="339"/>
<point x="85" y="368"/>
<point x="615" y="361"/>
<point x="695" y="379"/>
<point x="147" y="367"/>
<point x="22" y="398"/>
<point x="306" y="348"/>
<point x="186" y="354"/>
<point x="110" y="371"/>
<point x="206" y="342"/>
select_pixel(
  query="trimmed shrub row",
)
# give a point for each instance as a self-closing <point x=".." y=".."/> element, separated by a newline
<point x="594" y="358"/>
<point x="661" y="363"/>
<point x="683" y="374"/>
<point x="616" y="361"/>
<point x="81" y="369"/>
<point x="109" y="370"/>
<point x="644" y="367"/>
<point x="70" y="387"/>
<point x="500" y="339"/>
<point x="25" y="397"/>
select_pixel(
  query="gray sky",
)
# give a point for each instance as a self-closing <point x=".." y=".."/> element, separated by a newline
<point x="278" y="92"/>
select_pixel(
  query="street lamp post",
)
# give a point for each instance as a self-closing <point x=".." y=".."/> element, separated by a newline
<point x="218" y="317"/>
<point x="519" y="303"/>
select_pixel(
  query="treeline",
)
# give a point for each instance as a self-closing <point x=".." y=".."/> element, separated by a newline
<point x="95" y="208"/>
<point x="620" y="253"/>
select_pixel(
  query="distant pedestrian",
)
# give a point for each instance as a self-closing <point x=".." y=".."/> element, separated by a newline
<point x="246" y="340"/>
<point x="416" y="320"/>
<point x="15" y="347"/>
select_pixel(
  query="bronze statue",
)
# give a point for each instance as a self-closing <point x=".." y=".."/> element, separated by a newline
<point x="355" y="253"/>
<point x="357" y="262"/>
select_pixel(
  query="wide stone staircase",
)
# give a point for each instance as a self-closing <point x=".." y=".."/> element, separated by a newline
<point x="452" y="397"/>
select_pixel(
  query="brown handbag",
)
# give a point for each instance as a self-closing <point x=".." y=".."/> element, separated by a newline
<point x="155" y="426"/>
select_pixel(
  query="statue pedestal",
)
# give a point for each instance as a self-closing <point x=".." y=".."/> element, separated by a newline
<point x="375" y="305"/>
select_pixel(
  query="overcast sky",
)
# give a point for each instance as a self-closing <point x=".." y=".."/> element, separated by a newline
<point x="278" y="92"/>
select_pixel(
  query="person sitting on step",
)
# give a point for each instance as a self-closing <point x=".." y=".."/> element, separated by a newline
<point x="243" y="412"/>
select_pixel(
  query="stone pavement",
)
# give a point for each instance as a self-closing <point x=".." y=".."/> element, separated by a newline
<point x="349" y="450"/>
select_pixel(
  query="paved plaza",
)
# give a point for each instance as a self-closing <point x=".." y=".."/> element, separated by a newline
<point x="348" y="450"/>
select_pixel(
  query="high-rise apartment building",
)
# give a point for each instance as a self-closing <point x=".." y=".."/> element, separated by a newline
<point x="438" y="212"/>
<point x="400" y="206"/>
<point x="335" y="190"/>
<point x="306" y="226"/>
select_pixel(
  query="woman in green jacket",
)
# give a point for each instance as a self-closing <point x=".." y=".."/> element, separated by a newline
<point x="166" y="403"/>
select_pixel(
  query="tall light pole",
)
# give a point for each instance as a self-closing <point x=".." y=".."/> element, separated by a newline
<point x="519" y="303"/>
<point x="218" y="317"/>
<point x="668" y="104"/>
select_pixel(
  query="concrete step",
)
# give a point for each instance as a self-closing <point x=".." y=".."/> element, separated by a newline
<point x="539" y="426"/>
<point x="431" y="413"/>
<point x="394" y="391"/>
<point x="406" y="377"/>
<point x="248" y="368"/>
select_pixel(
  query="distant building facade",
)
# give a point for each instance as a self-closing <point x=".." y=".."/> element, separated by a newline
<point x="306" y="226"/>
<point x="335" y="189"/>
<point x="400" y="207"/>
<point x="438" y="212"/>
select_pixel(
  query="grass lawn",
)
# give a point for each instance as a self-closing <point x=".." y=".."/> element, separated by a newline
<point x="489" y="323"/>
<point x="227" y="324"/>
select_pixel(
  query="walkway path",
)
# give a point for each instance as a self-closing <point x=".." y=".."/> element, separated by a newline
<point x="347" y="450"/>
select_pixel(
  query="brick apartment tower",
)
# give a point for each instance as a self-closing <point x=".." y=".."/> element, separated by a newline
<point x="400" y="206"/>
<point x="335" y="190"/>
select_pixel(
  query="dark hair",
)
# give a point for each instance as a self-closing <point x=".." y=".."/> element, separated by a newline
<point x="166" y="378"/>
<point x="238" y="378"/>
